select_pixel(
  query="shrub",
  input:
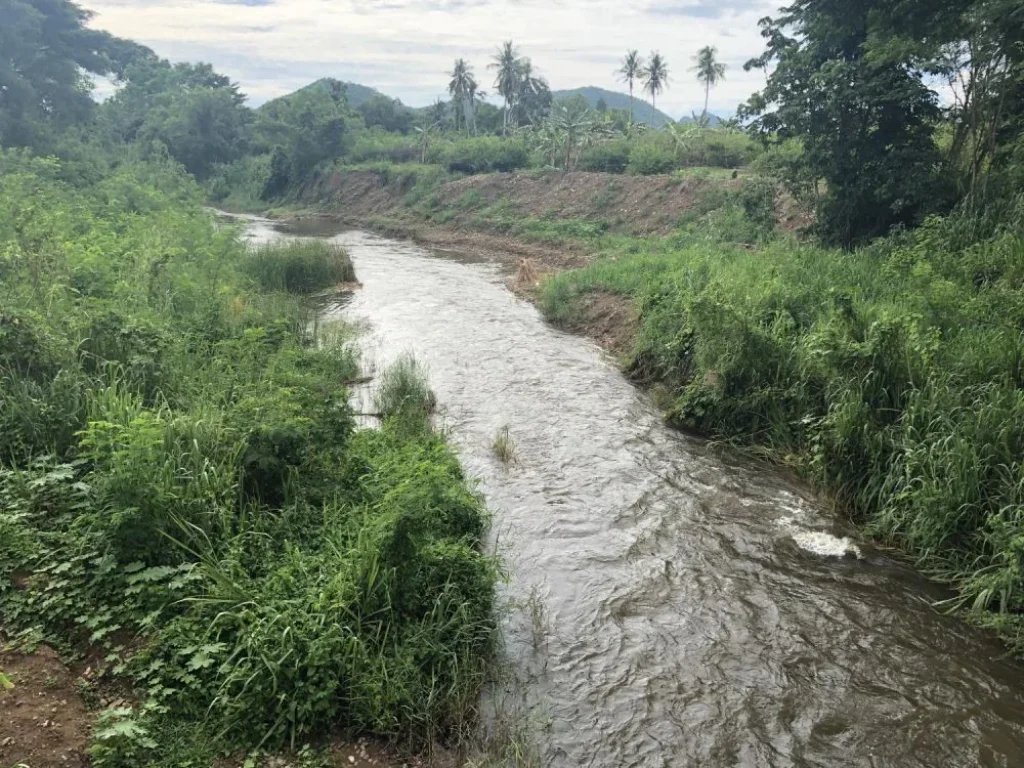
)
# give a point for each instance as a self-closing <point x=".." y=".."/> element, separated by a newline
<point x="482" y="154"/>
<point x="403" y="389"/>
<point x="649" y="157"/>
<point x="298" y="266"/>
<point x="607" y="156"/>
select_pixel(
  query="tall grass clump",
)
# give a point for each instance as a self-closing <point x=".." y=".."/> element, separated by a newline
<point x="891" y="376"/>
<point x="298" y="265"/>
<point x="183" y="491"/>
<point x="403" y="389"/>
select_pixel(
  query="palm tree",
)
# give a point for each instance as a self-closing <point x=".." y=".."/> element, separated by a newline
<point x="461" y="86"/>
<point x="710" y="72"/>
<point x="631" y="71"/>
<point x="529" y="94"/>
<point x="655" y="77"/>
<point x="507" y="64"/>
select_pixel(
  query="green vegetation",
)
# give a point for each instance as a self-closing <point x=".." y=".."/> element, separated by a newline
<point x="504" y="446"/>
<point x="890" y="375"/>
<point x="298" y="266"/>
<point x="182" y="491"/>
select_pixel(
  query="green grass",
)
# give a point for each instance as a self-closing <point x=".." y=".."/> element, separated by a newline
<point x="890" y="376"/>
<point x="298" y="266"/>
<point x="183" y="487"/>
<point x="403" y="389"/>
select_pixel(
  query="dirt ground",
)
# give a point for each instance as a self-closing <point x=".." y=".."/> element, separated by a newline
<point x="45" y="723"/>
<point x="43" y="719"/>
<point x="635" y="204"/>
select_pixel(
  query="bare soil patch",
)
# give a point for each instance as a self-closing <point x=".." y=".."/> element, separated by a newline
<point x="43" y="719"/>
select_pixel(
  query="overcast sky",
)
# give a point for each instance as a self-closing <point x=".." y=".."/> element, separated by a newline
<point x="404" y="48"/>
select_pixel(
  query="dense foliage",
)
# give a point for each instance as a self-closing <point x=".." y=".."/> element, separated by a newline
<point x="182" y="488"/>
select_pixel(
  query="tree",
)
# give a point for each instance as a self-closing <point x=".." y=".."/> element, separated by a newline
<point x="462" y="88"/>
<point x="532" y="97"/>
<point x="387" y="113"/>
<point x="709" y="72"/>
<point x="46" y="55"/>
<point x="857" y="102"/>
<point x="632" y="69"/>
<point x="573" y="123"/>
<point x="308" y="126"/>
<point x="655" y="77"/>
<point x="507" y="66"/>
<point x="198" y="114"/>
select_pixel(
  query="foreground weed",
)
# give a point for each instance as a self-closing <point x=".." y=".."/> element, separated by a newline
<point x="504" y="447"/>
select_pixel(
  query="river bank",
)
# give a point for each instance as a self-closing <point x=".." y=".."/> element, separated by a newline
<point x="675" y="604"/>
<point x="746" y="341"/>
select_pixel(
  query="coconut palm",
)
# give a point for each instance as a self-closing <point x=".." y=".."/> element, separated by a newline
<point x="709" y="72"/>
<point x="631" y="71"/>
<point x="506" y="64"/>
<point x="655" y="77"/>
<point x="461" y="85"/>
<point x="533" y="95"/>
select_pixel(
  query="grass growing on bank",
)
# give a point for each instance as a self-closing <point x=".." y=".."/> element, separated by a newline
<point x="891" y="376"/>
<point x="184" y="497"/>
<point x="298" y="266"/>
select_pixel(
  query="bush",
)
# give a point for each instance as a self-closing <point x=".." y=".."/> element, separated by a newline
<point x="298" y="266"/>
<point x="482" y="154"/>
<point x="649" y="157"/>
<point x="375" y="146"/>
<point x="607" y="156"/>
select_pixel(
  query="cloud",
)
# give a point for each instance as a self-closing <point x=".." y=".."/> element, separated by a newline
<point x="405" y="48"/>
<point x="704" y="9"/>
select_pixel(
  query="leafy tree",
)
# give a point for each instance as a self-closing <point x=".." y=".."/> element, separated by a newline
<point x="632" y="69"/>
<point x="46" y="55"/>
<point x="197" y="113"/>
<point x="655" y="77"/>
<point x="709" y="72"/>
<point x="860" y="108"/>
<point x="304" y="128"/>
<point x="389" y="114"/>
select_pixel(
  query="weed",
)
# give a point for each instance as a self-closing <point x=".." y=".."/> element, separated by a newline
<point x="298" y="266"/>
<point x="504" y="447"/>
<point x="403" y="389"/>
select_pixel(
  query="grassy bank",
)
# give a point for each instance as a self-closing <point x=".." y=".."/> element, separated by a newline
<point x="890" y="376"/>
<point x="185" y="504"/>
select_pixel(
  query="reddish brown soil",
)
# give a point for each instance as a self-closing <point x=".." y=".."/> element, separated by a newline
<point x="635" y="204"/>
<point x="43" y="719"/>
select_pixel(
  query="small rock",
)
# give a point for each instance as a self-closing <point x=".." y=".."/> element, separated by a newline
<point x="7" y="742"/>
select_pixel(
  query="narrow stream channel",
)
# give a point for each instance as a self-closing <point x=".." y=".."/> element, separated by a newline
<point x="696" y="612"/>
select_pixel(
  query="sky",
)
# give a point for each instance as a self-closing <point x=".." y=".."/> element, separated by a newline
<point x="405" y="48"/>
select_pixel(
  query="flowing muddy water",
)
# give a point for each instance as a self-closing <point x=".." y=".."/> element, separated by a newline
<point x="694" y="611"/>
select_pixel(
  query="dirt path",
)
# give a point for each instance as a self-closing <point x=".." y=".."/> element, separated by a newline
<point x="44" y="721"/>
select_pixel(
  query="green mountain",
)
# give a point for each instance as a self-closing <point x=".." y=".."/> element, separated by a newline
<point x="643" y="112"/>
<point x="355" y="93"/>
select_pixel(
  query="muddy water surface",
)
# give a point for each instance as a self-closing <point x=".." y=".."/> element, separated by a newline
<point x="695" y="611"/>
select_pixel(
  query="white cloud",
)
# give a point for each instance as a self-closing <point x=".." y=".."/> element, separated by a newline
<point x="405" y="47"/>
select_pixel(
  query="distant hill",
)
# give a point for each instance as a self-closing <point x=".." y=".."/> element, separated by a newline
<point x="643" y="112"/>
<point x="356" y="94"/>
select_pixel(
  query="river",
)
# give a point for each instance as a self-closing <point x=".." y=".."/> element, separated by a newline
<point x="687" y="610"/>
